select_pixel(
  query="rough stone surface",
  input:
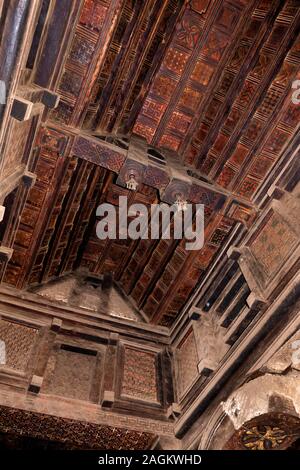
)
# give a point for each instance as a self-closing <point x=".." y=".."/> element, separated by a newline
<point x="252" y="399"/>
<point x="288" y="355"/>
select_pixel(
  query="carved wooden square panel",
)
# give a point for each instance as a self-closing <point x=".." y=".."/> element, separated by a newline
<point x="176" y="60"/>
<point x="153" y="109"/>
<point x="81" y="50"/>
<point x="273" y="244"/>
<point x="69" y="373"/>
<point x="140" y="375"/>
<point x="215" y="45"/>
<point x="187" y="358"/>
<point x="93" y="14"/>
<point x="202" y="73"/>
<point x="18" y="342"/>
<point x="179" y="122"/>
<point x="164" y="86"/>
<point x="170" y="142"/>
<point x="190" y="99"/>
<point x="188" y="31"/>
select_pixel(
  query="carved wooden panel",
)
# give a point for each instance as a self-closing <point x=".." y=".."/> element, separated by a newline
<point x="140" y="375"/>
<point x="273" y="244"/>
<point x="79" y="62"/>
<point x="19" y="341"/>
<point x="47" y="167"/>
<point x="15" y="152"/>
<point x="69" y="373"/>
<point x="187" y="360"/>
<point x="211" y="82"/>
<point x="226" y="107"/>
<point x="79" y="434"/>
<point x="99" y="154"/>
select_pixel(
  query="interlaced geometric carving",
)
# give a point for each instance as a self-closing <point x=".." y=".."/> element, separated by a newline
<point x="19" y="341"/>
<point x="139" y="378"/>
<point x="69" y="374"/>
<point x="187" y="361"/>
<point x="273" y="244"/>
<point x="78" y="433"/>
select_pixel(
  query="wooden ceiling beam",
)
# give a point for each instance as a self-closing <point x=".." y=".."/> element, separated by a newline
<point x="239" y="78"/>
<point x="182" y="274"/>
<point x="80" y="229"/>
<point x="281" y="54"/>
<point x="65" y="223"/>
<point x="128" y="41"/>
<point x="155" y="14"/>
<point x="173" y="17"/>
<point x="96" y="63"/>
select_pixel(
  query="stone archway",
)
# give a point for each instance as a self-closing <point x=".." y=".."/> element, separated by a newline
<point x="218" y="430"/>
<point x="265" y="394"/>
<point x="270" y="431"/>
<point x="269" y="404"/>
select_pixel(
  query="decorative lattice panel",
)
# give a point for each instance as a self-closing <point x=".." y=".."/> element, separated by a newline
<point x="69" y="374"/>
<point x="140" y="375"/>
<point x="187" y="362"/>
<point x="79" y="434"/>
<point x="18" y="344"/>
<point x="273" y="244"/>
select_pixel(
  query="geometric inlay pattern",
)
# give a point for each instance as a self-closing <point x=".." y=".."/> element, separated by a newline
<point x="19" y="341"/>
<point x="273" y="244"/>
<point x="187" y="361"/>
<point x="69" y="374"/>
<point x="80" y="434"/>
<point x="139" y="378"/>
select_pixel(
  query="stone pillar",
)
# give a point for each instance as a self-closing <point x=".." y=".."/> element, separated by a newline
<point x="110" y="371"/>
<point x="210" y="343"/>
<point x="5" y="256"/>
<point x="45" y="347"/>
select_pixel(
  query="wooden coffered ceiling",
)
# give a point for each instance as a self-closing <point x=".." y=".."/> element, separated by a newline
<point x="208" y="83"/>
